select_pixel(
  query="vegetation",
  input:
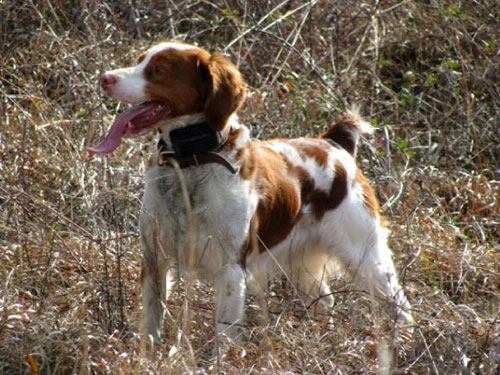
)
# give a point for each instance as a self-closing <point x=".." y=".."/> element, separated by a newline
<point x="425" y="73"/>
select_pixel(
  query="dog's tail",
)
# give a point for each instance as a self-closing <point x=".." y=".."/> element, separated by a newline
<point x="347" y="130"/>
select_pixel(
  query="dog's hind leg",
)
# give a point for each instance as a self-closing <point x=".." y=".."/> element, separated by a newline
<point x="310" y="273"/>
<point x="377" y="275"/>
<point x="369" y="261"/>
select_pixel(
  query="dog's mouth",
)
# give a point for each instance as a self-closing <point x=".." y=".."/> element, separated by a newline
<point x="134" y="121"/>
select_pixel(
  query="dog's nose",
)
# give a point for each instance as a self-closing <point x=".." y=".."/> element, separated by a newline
<point x="107" y="80"/>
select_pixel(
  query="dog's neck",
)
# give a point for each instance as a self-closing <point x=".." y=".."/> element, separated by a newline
<point x="188" y="144"/>
<point x="177" y="123"/>
<point x="173" y="124"/>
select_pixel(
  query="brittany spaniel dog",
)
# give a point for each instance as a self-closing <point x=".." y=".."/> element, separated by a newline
<point x="234" y="210"/>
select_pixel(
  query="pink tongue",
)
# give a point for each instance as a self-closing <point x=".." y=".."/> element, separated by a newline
<point x="113" y="139"/>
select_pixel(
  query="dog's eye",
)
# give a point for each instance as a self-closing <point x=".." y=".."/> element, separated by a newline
<point x="158" y="69"/>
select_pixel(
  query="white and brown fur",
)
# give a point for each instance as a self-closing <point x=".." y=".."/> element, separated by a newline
<point x="294" y="206"/>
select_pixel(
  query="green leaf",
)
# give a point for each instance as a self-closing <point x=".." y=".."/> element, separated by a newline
<point x="403" y="145"/>
<point x="430" y="79"/>
<point x="449" y="64"/>
<point x="454" y="10"/>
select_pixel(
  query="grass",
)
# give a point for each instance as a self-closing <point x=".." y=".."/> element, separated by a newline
<point x="425" y="73"/>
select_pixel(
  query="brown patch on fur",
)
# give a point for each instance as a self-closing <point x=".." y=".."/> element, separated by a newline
<point x="226" y="91"/>
<point x="284" y="189"/>
<point x="344" y="132"/>
<point x="319" y="154"/>
<point x="192" y="80"/>
<point x="176" y="78"/>
<point x="369" y="199"/>
<point x="280" y="205"/>
<point x="320" y="200"/>
<point x="247" y="167"/>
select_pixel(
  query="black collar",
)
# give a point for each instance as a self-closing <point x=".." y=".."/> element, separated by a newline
<point x="193" y="145"/>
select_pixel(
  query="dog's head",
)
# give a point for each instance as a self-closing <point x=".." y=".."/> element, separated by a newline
<point x="171" y="80"/>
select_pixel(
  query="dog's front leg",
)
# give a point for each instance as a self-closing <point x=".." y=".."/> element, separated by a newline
<point x="156" y="281"/>
<point x="229" y="299"/>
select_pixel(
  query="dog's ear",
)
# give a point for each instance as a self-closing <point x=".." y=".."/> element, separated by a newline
<point x="225" y="91"/>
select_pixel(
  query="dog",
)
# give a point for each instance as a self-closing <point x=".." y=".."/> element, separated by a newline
<point x="235" y="210"/>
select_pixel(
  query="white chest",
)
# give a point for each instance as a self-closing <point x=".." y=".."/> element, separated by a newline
<point x="200" y="221"/>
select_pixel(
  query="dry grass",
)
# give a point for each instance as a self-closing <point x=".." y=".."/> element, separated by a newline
<point x="424" y="72"/>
